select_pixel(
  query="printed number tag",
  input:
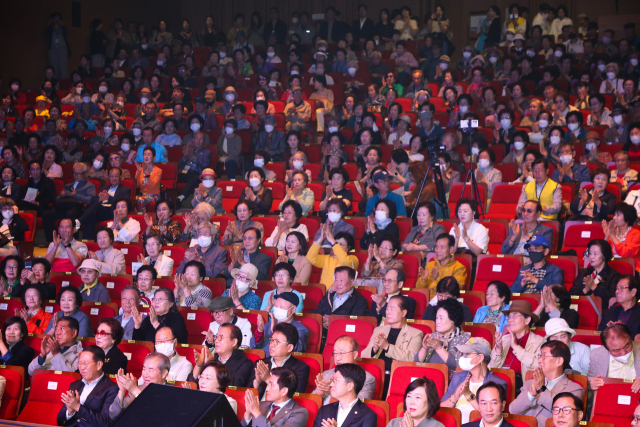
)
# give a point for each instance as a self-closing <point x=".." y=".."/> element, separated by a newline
<point x="624" y="400"/>
<point x="53" y="385"/>
<point x="128" y="356"/>
<point x="303" y="295"/>
<point x="497" y="268"/>
<point x="48" y="309"/>
<point x="229" y="187"/>
<point x="350" y="328"/>
<point x="124" y="250"/>
<point x="111" y="285"/>
<point x="167" y="252"/>
<point x="191" y="316"/>
<point x="4" y="306"/>
<point x="65" y="284"/>
<point x="94" y="311"/>
<point x="585" y="234"/>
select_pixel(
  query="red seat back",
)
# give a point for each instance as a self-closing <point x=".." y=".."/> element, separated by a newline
<point x="197" y="321"/>
<point x="496" y="267"/>
<point x="136" y="351"/>
<point x="313" y="322"/>
<point x="13" y="391"/>
<point x="360" y="330"/>
<point x="44" y="399"/>
<point x="608" y="407"/>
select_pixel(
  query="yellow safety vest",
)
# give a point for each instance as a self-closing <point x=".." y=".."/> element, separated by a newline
<point x="546" y="195"/>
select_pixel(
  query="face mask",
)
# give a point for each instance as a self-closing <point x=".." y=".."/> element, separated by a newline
<point x="381" y="215"/>
<point x="601" y="67"/>
<point x="591" y="146"/>
<point x="623" y="359"/>
<point x="352" y="71"/>
<point x="322" y="49"/>
<point x="242" y="286"/>
<point x="125" y="147"/>
<point x="230" y="97"/>
<point x="483" y="163"/>
<point x="160" y="63"/>
<point x="554" y="139"/>
<point x="466" y="54"/>
<point x="333" y="129"/>
<point x="635" y="139"/>
<point x="258" y="162"/>
<point x="493" y="59"/>
<point x="543" y="123"/>
<point x="506" y="123"/>
<point x="254" y="182"/>
<point x="165" y="348"/>
<point x="558" y="53"/>
<point x="375" y="127"/>
<point x="86" y="99"/>
<point x="519" y="145"/>
<point x="545" y="15"/>
<point x="195" y="127"/>
<point x="79" y="90"/>
<point x="107" y="130"/>
<point x="509" y="37"/>
<point x="228" y="130"/>
<point x="280" y="314"/>
<point x="7" y="214"/>
<point x="536" y="257"/>
<point x="444" y="66"/>
<point x="617" y="119"/>
<point x="223" y="55"/>
<point x="120" y="103"/>
<point x="606" y="40"/>
<point x="144" y="100"/>
<point x="102" y="89"/>
<point x="531" y="53"/>
<point x="144" y="46"/>
<point x="566" y="158"/>
<point x="294" y="20"/>
<point x="475" y="151"/>
<point x="260" y="98"/>
<point x="15" y="88"/>
<point x="464" y="109"/>
<point x="204" y="241"/>
<point x="634" y="62"/>
<point x="465" y="363"/>
<point x="297" y="164"/>
<point x="294" y="72"/>
<point x="611" y="76"/>
<point x="208" y="183"/>
<point x="573" y="126"/>
<point x="269" y="128"/>
<point x="97" y="164"/>
<point x="334" y="217"/>
<point x="136" y="131"/>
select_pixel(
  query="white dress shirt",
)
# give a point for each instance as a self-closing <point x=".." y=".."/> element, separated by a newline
<point x="130" y="231"/>
<point x="342" y="413"/>
<point x="86" y="391"/>
<point x="478" y="235"/>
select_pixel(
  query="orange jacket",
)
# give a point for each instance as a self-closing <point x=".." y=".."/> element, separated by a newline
<point x="44" y="317"/>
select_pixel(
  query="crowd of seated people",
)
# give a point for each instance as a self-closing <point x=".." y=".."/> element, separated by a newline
<point x="278" y="179"/>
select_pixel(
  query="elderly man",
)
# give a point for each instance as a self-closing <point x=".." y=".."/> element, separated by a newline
<point x="568" y="410"/>
<point x="129" y="298"/>
<point x="418" y="83"/>
<point x="115" y="160"/>
<point x="464" y="387"/>
<point x="382" y="181"/>
<point x="65" y="253"/>
<point x="278" y="409"/>
<point x="536" y="396"/>
<point x="534" y="277"/>
<point x="345" y="350"/>
<point x="520" y="233"/>
<point x="557" y="329"/>
<point x="283" y="341"/>
<point x="250" y="254"/>
<point x="297" y="112"/>
<point x="101" y="208"/>
<point x="213" y="256"/>
<point x="377" y="68"/>
<point x="619" y="357"/>
<point x="570" y="170"/>
<point x="443" y="265"/>
<point x="148" y="140"/>
<point x="45" y="186"/>
<point x="149" y="119"/>
<point x="227" y="343"/>
<point x="61" y="352"/>
<point x="166" y="344"/>
<point x="626" y="308"/>
<point x="271" y="140"/>
<point x="71" y="200"/>
<point x="110" y="260"/>
<point x="543" y="190"/>
<point x="221" y="309"/>
<point x="392" y="284"/>
<point x="207" y="192"/>
<point x="344" y="299"/>
<point x="284" y="310"/>
<point x="88" y="400"/>
<point x="491" y="399"/>
<point x="154" y="371"/>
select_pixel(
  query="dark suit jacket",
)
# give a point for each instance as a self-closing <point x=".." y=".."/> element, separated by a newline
<point x="15" y="192"/>
<point x="240" y="367"/>
<point x="115" y="360"/>
<point x="277" y="146"/>
<point x="338" y="30"/>
<point x="505" y="423"/>
<point x="173" y="320"/>
<point x="85" y="193"/>
<point x="360" y="416"/>
<point x="21" y="355"/>
<point x="374" y="309"/>
<point x="17" y="227"/>
<point x="301" y="369"/>
<point x="607" y="207"/>
<point x="366" y="32"/>
<point x="606" y="289"/>
<point x="121" y="191"/>
<point x="280" y="29"/>
<point x="95" y="410"/>
<point x="46" y="193"/>
<point x="613" y="314"/>
<point x="356" y="305"/>
<point x="262" y="262"/>
<point x="570" y="315"/>
<point x="291" y="414"/>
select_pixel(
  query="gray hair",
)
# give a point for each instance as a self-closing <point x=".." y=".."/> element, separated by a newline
<point x="164" y="364"/>
<point x="204" y="208"/>
<point x="131" y="288"/>
<point x="212" y="228"/>
<point x="83" y="165"/>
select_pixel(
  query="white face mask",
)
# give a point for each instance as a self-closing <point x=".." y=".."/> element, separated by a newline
<point x="242" y="286"/>
<point x="617" y="119"/>
<point x="573" y="126"/>
<point x="258" y="162"/>
<point x="195" y="127"/>
<point x="531" y="53"/>
<point x="543" y="123"/>
<point x="554" y="139"/>
<point x="464" y="109"/>
<point x="544" y="15"/>
<point x="15" y="88"/>
<point x="601" y="67"/>
<point x="144" y="46"/>
<point x="107" y="130"/>
<point x="136" y="131"/>
<point x="269" y="128"/>
<point x="381" y="215"/>
<point x="611" y="76"/>
<point x="635" y="139"/>
<point x="566" y="158"/>
<point x="204" y="241"/>
<point x="208" y="183"/>
<point x="160" y="63"/>
<point x="509" y="37"/>
<point x="97" y="164"/>
<point x="475" y="151"/>
<point x="271" y="54"/>
<point x="294" y="72"/>
<point x="606" y="40"/>
<point x="86" y="99"/>
<point x="558" y="53"/>
<point x="333" y="129"/>
<point x="254" y="182"/>
<point x="466" y="54"/>
<point x="623" y="359"/>
<point x="298" y="164"/>
<point x="444" y="66"/>
<point x="144" y="100"/>
<point x="519" y="145"/>
<point x="230" y="97"/>
<point x="7" y="214"/>
<point x="352" y="71"/>
<point x="591" y="146"/>
<point x="125" y="147"/>
<point x="483" y="163"/>
<point x="120" y="103"/>
<point x="280" y="314"/>
<point x="493" y="59"/>
<point x="223" y="55"/>
<point x="506" y="123"/>
<point x="634" y="62"/>
<point x="259" y="98"/>
<point x="228" y="130"/>
<point x="465" y="363"/>
<point x="334" y="217"/>
<point x="102" y="89"/>
<point x="166" y="348"/>
<point x="79" y="90"/>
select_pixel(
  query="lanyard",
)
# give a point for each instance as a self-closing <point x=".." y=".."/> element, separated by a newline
<point x="541" y="190"/>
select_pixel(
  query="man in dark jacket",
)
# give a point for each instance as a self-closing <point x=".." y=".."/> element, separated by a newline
<point x="626" y="308"/>
<point x="89" y="409"/>
<point x="392" y="285"/>
<point x="251" y="240"/>
<point x="534" y="277"/>
<point x="343" y="300"/>
<point x="487" y="396"/>
<point x="363" y="27"/>
<point x="275" y="26"/>
<point x="228" y="340"/>
<point x="332" y="30"/>
<point x="519" y="234"/>
<point x="272" y="140"/>
<point x="45" y="187"/>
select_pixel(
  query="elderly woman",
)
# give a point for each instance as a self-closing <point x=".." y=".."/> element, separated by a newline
<point x="283" y="275"/>
<point x="51" y="157"/>
<point x="189" y="290"/>
<point x="422" y="237"/>
<point x="597" y="278"/>
<point x="109" y="259"/>
<point x="213" y="377"/>
<point x="148" y="177"/>
<point x="379" y="260"/>
<point x="623" y="173"/>
<point x="293" y="142"/>
<point x="471" y="237"/>
<point x="291" y="214"/>
<point x="10" y="157"/>
<point x="145" y="280"/>
<point x="159" y="261"/>
<point x="297" y="162"/>
<point x="92" y="290"/>
<point x="125" y="229"/>
<point x="70" y="300"/>
<point x="235" y="229"/>
<point x="295" y="251"/>
<point x="555" y="302"/>
<point x="39" y="274"/>
<point x="162" y="312"/>
<point x="298" y="193"/>
<point x="168" y="230"/>
<point x="244" y="279"/>
<point x="194" y="162"/>
<point x="517" y="155"/>
<point x="440" y="346"/>
<point x="196" y="122"/>
<point x="13" y="351"/>
<point x="526" y="174"/>
<point x="325" y="96"/>
<point x="34" y="315"/>
<point x="202" y="213"/>
<point x="420" y="404"/>
<point x="338" y="256"/>
<point x="335" y="190"/>
<point x="619" y="232"/>
<point x="229" y="149"/>
<point x="257" y="197"/>
<point x="401" y="137"/>
<point x="13" y="227"/>
<point x="597" y="203"/>
<point x="612" y="84"/>
<point x="498" y="295"/>
<point x="336" y="210"/>
<point x="108" y="336"/>
<point x="486" y="172"/>
<point x="11" y="282"/>
<point x="207" y="250"/>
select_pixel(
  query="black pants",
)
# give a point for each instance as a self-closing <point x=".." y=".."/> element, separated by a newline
<point x="26" y="206"/>
<point x="192" y="180"/>
<point x="92" y="215"/>
<point x="61" y="210"/>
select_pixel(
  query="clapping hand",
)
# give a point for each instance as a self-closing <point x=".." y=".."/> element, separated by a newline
<point x="56" y="239"/>
<point x="379" y="299"/>
<point x="153" y="317"/>
<point x="537" y="383"/>
<point x="584" y="194"/>
<point x="137" y="317"/>
<point x="458" y="393"/>
<point x="204" y="355"/>
<point x="407" y="420"/>
<point x="72" y="400"/>
<point x="323" y="386"/>
<point x="329" y="422"/>
<point x="142" y="259"/>
<point x="262" y="372"/>
<point x="251" y="404"/>
<point x="148" y="220"/>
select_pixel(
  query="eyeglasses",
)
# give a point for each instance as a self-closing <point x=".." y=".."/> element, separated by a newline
<point x="635" y="418"/>
<point x="565" y="410"/>
<point x="78" y="173"/>
<point x="336" y="354"/>
<point x="103" y="334"/>
<point x="333" y="380"/>
<point x="281" y="275"/>
<point x="514" y="315"/>
<point x="218" y="313"/>
<point x="11" y="267"/>
<point x="144" y="280"/>
<point x="389" y="281"/>
<point x="542" y="356"/>
<point x="243" y="278"/>
<point x="621" y="288"/>
<point x="276" y="342"/>
<point x="528" y="210"/>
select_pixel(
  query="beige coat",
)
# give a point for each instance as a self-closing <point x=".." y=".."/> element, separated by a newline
<point x="407" y="345"/>
<point x="528" y="355"/>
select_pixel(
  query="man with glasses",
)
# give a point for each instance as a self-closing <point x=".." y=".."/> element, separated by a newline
<point x="88" y="400"/>
<point x="391" y="286"/>
<point x="345" y="350"/>
<point x="282" y="343"/>
<point x="129" y="298"/>
<point x="221" y="309"/>
<point x="490" y="399"/>
<point x="59" y="353"/>
<point x="115" y="160"/>
<point x="71" y="200"/>
<point x="284" y="310"/>
<point x="521" y="233"/>
<point x="619" y="357"/>
<point x="46" y="190"/>
<point x="227" y="340"/>
<point x="166" y="343"/>
<point x="568" y="410"/>
<point x="250" y="254"/>
<point x="343" y="299"/>
<point x="536" y="396"/>
<point x="542" y="189"/>
<point x="626" y="309"/>
<point x="539" y="274"/>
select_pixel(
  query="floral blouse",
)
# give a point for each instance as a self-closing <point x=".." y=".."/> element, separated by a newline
<point x="173" y="231"/>
<point x="234" y="232"/>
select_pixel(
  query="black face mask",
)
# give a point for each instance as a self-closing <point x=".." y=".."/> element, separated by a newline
<point x="536" y="257"/>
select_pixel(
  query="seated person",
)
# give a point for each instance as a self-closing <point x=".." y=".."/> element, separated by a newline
<point x="284" y="310"/>
<point x="11" y="280"/>
<point x="39" y="275"/>
<point x="297" y="112"/>
<point x="271" y="140"/>
<point x="295" y="253"/>
<point x="283" y="274"/>
<point x="385" y="212"/>
<point x="558" y="330"/>
<point x="623" y="173"/>
<point x="471" y="237"/>
<point x="261" y="158"/>
<point x="108" y="335"/>
<point x="109" y="259"/>
<point x="336" y="209"/>
<point x="497" y="297"/>
<point x="290" y="214"/>
<point x="201" y="214"/>
<point x="160" y="262"/>
<point x="61" y="352"/>
<point x="392" y="284"/>
<point x="595" y="204"/>
<point x="576" y="133"/>
<point x="345" y="350"/>
<point x="37" y="319"/>
<point x="442" y="265"/>
<point x="618" y="357"/>
<point x="215" y="379"/>
<point x="189" y="290"/>
<point x="555" y="302"/>
<point x="542" y="189"/>
<point x="145" y="280"/>
<point x="342" y="298"/>
<point x="598" y="278"/>
<point x="93" y="290"/>
<point x="519" y="348"/>
<point x="379" y="261"/>
<point x="125" y="229"/>
<point x="338" y="255"/>
<point x="163" y="309"/>
<point x="621" y="234"/>
<point x="441" y="345"/>
<point x="382" y="181"/>
<point x="297" y="191"/>
<point x="446" y="288"/>
<point x="569" y="170"/>
<point x="235" y="229"/>
<point x="228" y="353"/>
<point x="491" y="400"/>
<point x="626" y="308"/>
<point x="486" y="172"/>
<point x="166" y="343"/>
<point x="258" y="197"/>
<point x="207" y="250"/>
<point x="129" y="298"/>
<point x="423" y="237"/>
<point x="244" y="279"/>
<point x="194" y="163"/>
<point x="521" y="232"/>
<point x="77" y="407"/>
<point x="45" y="186"/>
<point x="229" y="149"/>
<point x="534" y="277"/>
<point x="474" y="374"/>
<point x="250" y="252"/>
<point x="221" y="310"/>
<point x="536" y="395"/>
<point x="70" y="300"/>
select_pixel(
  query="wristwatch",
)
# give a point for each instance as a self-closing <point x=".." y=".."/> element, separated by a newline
<point x="541" y="389"/>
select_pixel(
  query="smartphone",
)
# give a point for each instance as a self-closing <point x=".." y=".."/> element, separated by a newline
<point x="28" y="265"/>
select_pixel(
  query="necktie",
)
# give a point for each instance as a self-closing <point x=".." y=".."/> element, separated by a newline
<point x="274" y="409"/>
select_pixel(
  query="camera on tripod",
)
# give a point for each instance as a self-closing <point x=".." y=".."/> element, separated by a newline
<point x="468" y="125"/>
<point x="434" y="148"/>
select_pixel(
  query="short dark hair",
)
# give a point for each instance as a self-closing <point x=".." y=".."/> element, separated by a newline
<point x="304" y="245"/>
<point x="117" y="331"/>
<point x="148" y="147"/>
<point x="504" y="291"/>
<point x="404" y="302"/>
<point x="429" y="205"/>
<point x="42" y="293"/>
<point x="287" y="267"/>
<point x="202" y="271"/>
<point x="401" y="276"/>
<point x="450" y="239"/>
<point x="289" y="331"/>
<point x="97" y="353"/>
<point x="563" y="295"/>
<point x="286" y="378"/>
<point x="255" y="230"/>
<point x="13" y="320"/>
<point x="605" y="248"/>
<point x="108" y="230"/>
<point x="343" y="268"/>
<point x="433" y="399"/>
<point x="75" y="291"/>
<point x="351" y="372"/>
<point x="393" y="210"/>
<point x="259" y="170"/>
<point x="297" y="209"/>
<point x="490" y="384"/>
<point x="339" y="203"/>
<point x="400" y="156"/>
<point x="148" y="268"/>
<point x="234" y="333"/>
<point x="15" y="258"/>
<point x="453" y="308"/>
<point x="576" y="402"/>
<point x="351" y="243"/>
<point x="72" y="322"/>
<point x="223" y="376"/>
<point x="448" y="285"/>
<point x="559" y="349"/>
<point x="472" y="204"/>
<point x="45" y="263"/>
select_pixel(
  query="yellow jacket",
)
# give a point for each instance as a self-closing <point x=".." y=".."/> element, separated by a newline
<point x="452" y="268"/>
<point x="329" y="263"/>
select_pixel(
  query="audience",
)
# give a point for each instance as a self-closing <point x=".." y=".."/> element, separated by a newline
<point x="129" y="298"/>
<point x="533" y="278"/>
<point x="618" y="357"/>
<point x="162" y="312"/>
<point x="446" y="288"/>
<point x="59" y="353"/>
<point x="338" y="256"/>
<point x="166" y="343"/>
<point x="70" y="300"/>
<point x="249" y="254"/>
<point x="625" y="309"/>
<point x="108" y="259"/>
<point x="13" y="350"/>
<point x="558" y="330"/>
<point x="392" y="283"/>
<point x="245" y="279"/>
<point x="108" y="335"/>
<point x="491" y="400"/>
<point x="442" y="265"/>
<point x="342" y="297"/>
<point x="598" y="278"/>
<point x="497" y="296"/>
<point x="221" y="309"/>
<point x="92" y="290"/>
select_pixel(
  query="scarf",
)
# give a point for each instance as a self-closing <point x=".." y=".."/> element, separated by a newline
<point x="383" y="224"/>
<point x="89" y="287"/>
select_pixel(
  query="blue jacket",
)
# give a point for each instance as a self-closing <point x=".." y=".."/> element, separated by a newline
<point x="580" y="174"/>
<point x="481" y="313"/>
<point x="540" y="230"/>
<point x="581" y="135"/>
<point x="161" y="153"/>
<point x="553" y="276"/>
<point x="459" y="377"/>
<point x="395" y="198"/>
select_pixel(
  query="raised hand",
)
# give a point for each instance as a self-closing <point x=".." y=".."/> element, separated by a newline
<point x="498" y="340"/>
<point x="56" y="238"/>
<point x="153" y="317"/>
<point x="260" y="321"/>
<point x="148" y="220"/>
<point x="584" y="194"/>
<point x="72" y="400"/>
<point x="537" y="383"/>
<point x="322" y="385"/>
